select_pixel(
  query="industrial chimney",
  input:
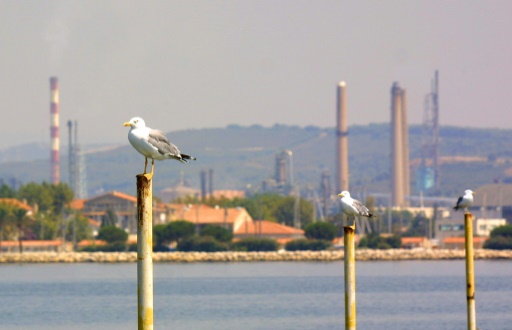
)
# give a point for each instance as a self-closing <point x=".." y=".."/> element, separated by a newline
<point x="204" y="183"/>
<point x="71" y="158"/>
<point x="325" y="187"/>
<point x="399" y="147"/>
<point x="341" y="139"/>
<point x="210" y="182"/>
<point x="405" y="149"/>
<point x="281" y="175"/>
<point x="54" y="130"/>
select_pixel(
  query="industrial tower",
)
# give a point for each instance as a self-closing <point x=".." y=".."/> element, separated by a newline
<point x="342" y="179"/>
<point x="429" y="173"/>
<point x="77" y="179"/>
<point x="400" y="176"/>
<point x="54" y="131"/>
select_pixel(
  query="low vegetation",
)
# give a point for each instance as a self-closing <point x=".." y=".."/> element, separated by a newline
<point x="500" y="239"/>
<point x="202" y="244"/>
<point x="255" y="244"/>
<point x="375" y="241"/>
<point x="321" y="231"/>
<point x="308" y="245"/>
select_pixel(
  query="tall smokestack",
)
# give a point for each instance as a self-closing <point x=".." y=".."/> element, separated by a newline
<point x="435" y="128"/>
<point x="281" y="176"/>
<point x="397" y="197"/>
<point x="204" y="190"/>
<point x="210" y="182"/>
<point x="54" y="130"/>
<point x="405" y="148"/>
<point x="71" y="158"/>
<point x="399" y="147"/>
<point x="325" y="185"/>
<point x="342" y="140"/>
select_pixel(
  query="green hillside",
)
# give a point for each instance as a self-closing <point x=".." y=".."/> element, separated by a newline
<point x="242" y="156"/>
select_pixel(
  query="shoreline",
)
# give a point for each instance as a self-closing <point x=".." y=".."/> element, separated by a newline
<point x="191" y="257"/>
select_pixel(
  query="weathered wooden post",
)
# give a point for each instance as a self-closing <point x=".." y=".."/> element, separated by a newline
<point x="470" y="271"/>
<point x="350" y="275"/>
<point x="145" y="251"/>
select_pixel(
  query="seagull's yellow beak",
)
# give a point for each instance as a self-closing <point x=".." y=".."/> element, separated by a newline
<point x="341" y="195"/>
<point x="127" y="124"/>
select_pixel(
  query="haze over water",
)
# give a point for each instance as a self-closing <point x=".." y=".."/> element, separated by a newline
<point x="196" y="64"/>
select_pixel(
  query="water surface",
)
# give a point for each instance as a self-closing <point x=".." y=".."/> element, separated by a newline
<point x="260" y="295"/>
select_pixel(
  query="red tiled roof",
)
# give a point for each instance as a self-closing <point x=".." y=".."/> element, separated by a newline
<point x="77" y="204"/>
<point x="267" y="228"/>
<point x="124" y="196"/>
<point x="32" y="243"/>
<point x="88" y="242"/>
<point x="16" y="203"/>
<point x="204" y="214"/>
<point x="409" y="240"/>
<point x="94" y="223"/>
<point x="116" y="194"/>
<point x="462" y="240"/>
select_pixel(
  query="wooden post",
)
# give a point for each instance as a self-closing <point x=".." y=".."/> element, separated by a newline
<point x="350" y="276"/>
<point x="145" y="251"/>
<point x="470" y="271"/>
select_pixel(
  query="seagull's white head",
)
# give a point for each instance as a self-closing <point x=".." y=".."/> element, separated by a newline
<point x="344" y="193"/>
<point x="135" y="122"/>
<point x="469" y="192"/>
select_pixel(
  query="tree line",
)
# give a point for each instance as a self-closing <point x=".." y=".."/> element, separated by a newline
<point x="51" y="216"/>
<point x="186" y="237"/>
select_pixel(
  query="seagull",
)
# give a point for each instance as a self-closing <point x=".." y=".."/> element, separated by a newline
<point x="465" y="201"/>
<point x="152" y="143"/>
<point x="352" y="207"/>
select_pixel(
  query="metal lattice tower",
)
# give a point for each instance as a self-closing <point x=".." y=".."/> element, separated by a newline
<point x="80" y="177"/>
<point x="429" y="172"/>
<point x="71" y="156"/>
<point x="326" y="191"/>
<point x="77" y="178"/>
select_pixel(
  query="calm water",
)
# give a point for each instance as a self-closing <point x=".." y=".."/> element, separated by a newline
<point x="390" y="295"/>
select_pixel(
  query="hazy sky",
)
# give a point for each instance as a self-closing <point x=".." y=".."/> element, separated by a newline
<point x="196" y="64"/>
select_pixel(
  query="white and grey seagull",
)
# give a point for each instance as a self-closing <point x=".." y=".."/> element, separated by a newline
<point x="352" y="207"/>
<point x="464" y="201"/>
<point x="152" y="143"/>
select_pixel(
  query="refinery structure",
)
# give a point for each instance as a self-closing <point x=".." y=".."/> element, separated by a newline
<point x="76" y="161"/>
<point x="54" y="131"/>
<point x="399" y="196"/>
<point x="325" y="199"/>
<point x="283" y="182"/>
<point x="400" y="175"/>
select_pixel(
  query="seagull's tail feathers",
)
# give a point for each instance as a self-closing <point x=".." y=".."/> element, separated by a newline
<point x="185" y="158"/>
<point x="456" y="208"/>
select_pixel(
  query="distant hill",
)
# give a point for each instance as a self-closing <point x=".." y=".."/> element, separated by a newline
<point x="242" y="156"/>
<point x="25" y="152"/>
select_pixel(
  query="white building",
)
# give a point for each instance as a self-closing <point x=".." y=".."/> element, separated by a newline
<point x="483" y="227"/>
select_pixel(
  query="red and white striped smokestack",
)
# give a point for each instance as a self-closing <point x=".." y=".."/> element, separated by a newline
<point x="54" y="130"/>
